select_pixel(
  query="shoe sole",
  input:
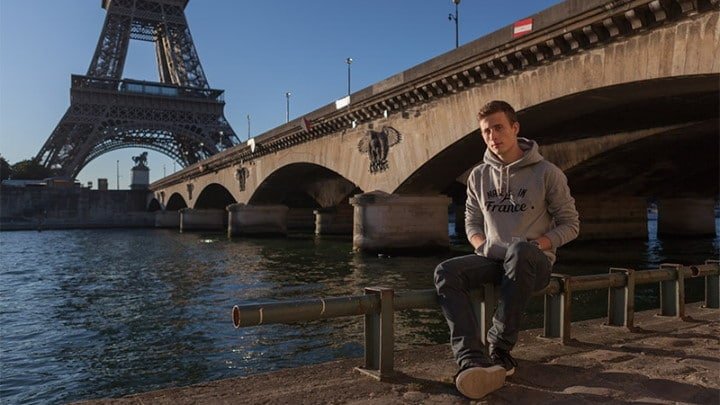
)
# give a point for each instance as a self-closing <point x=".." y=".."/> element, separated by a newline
<point x="477" y="382"/>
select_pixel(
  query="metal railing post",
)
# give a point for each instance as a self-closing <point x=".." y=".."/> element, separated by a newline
<point x="621" y="300"/>
<point x="483" y="305"/>
<point x="487" y="310"/>
<point x="712" y="288"/>
<point x="672" y="292"/>
<point x="557" y="317"/>
<point x="379" y="336"/>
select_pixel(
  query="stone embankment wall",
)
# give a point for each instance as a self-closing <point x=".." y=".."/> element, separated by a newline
<point x="72" y="207"/>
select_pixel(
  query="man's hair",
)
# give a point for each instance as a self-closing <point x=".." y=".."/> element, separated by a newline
<point x="496" y="106"/>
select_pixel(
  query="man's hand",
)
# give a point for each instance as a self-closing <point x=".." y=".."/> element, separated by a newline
<point x="477" y="240"/>
<point x="544" y="243"/>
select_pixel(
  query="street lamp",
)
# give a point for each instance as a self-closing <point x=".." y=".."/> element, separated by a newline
<point x="349" y="61"/>
<point x="248" y="119"/>
<point x="117" y="173"/>
<point x="287" y="106"/>
<point x="455" y="17"/>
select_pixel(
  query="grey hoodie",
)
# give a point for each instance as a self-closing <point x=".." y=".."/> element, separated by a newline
<point x="523" y="200"/>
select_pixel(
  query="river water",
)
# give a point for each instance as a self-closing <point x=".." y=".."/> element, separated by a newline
<point x="104" y="313"/>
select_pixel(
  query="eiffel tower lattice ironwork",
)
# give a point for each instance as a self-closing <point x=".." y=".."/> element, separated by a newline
<point x="180" y="116"/>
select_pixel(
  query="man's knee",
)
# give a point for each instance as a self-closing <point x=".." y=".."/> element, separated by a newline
<point x="445" y="274"/>
<point x="519" y="259"/>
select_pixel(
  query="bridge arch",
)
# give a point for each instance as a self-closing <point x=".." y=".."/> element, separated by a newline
<point x="176" y="202"/>
<point x="577" y="127"/>
<point x="304" y="185"/>
<point x="154" y="205"/>
<point x="214" y="196"/>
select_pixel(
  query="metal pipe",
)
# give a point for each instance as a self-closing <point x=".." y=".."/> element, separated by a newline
<point x="305" y="310"/>
<point x="416" y="299"/>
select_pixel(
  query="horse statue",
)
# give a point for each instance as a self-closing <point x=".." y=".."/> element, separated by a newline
<point x="140" y="160"/>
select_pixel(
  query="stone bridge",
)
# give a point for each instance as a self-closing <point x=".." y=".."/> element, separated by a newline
<point x="622" y="95"/>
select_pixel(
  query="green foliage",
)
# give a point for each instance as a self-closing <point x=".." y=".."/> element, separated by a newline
<point x="30" y="170"/>
<point x="5" y="169"/>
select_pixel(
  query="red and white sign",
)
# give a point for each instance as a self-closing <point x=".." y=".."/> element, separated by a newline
<point x="522" y="27"/>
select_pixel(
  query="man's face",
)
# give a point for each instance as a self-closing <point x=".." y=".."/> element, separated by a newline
<point x="499" y="134"/>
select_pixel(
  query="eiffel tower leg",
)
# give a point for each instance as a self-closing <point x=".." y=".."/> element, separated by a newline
<point x="109" y="58"/>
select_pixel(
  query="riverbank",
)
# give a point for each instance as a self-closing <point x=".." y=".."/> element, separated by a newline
<point x="664" y="360"/>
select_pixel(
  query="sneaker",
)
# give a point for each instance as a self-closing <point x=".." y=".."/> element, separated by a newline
<point x="475" y="381"/>
<point x="502" y="358"/>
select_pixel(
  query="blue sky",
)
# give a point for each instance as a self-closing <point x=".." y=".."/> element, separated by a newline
<point x="255" y="50"/>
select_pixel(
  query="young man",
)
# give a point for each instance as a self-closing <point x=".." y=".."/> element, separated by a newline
<point x="518" y="212"/>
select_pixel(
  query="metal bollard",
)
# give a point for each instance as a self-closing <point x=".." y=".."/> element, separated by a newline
<point x="672" y="292"/>
<point x="712" y="288"/>
<point x="557" y="319"/>
<point x="379" y="336"/>
<point x="621" y="300"/>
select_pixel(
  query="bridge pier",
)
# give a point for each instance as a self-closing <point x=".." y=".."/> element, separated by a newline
<point x="612" y="217"/>
<point x="257" y="219"/>
<point x="201" y="219"/>
<point x="385" y="222"/>
<point x="167" y="219"/>
<point x="686" y="217"/>
<point x="301" y="219"/>
<point x="334" y="220"/>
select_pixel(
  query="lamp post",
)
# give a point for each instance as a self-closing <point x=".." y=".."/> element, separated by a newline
<point x="248" y="119"/>
<point x="349" y="62"/>
<point x="455" y="17"/>
<point x="287" y="106"/>
<point x="117" y="174"/>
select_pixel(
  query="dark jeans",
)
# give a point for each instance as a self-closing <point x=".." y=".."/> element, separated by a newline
<point x="525" y="270"/>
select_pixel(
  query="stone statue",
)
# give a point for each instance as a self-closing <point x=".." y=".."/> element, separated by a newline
<point x="140" y="160"/>
<point x="377" y="145"/>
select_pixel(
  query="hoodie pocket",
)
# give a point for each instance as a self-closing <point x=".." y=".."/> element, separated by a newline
<point x="493" y="249"/>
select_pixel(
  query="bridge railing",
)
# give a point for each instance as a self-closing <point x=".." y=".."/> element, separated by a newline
<point x="379" y="303"/>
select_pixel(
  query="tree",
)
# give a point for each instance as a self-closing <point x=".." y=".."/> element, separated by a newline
<point x="30" y="170"/>
<point x="6" y="171"/>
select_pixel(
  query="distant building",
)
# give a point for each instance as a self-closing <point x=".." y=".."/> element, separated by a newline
<point x="103" y="184"/>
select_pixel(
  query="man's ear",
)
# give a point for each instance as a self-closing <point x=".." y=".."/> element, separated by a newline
<point x="516" y="127"/>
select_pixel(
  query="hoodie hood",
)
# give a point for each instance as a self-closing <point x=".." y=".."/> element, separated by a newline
<point x="531" y="156"/>
<point x="502" y="180"/>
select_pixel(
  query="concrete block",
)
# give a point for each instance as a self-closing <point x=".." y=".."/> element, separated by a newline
<point x="257" y="219"/>
<point x="386" y="222"/>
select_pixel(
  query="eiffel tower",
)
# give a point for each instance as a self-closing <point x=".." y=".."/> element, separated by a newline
<point x="180" y="116"/>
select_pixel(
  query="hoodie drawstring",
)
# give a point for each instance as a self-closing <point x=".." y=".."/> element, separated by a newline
<point x="506" y="183"/>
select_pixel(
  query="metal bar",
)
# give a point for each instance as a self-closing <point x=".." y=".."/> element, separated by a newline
<point x="712" y="288"/>
<point x="487" y="309"/>
<point x="621" y="300"/>
<point x="416" y="299"/>
<point x="476" y="301"/>
<point x="672" y="292"/>
<point x="304" y="310"/>
<point x="557" y="319"/>
<point x="379" y="336"/>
